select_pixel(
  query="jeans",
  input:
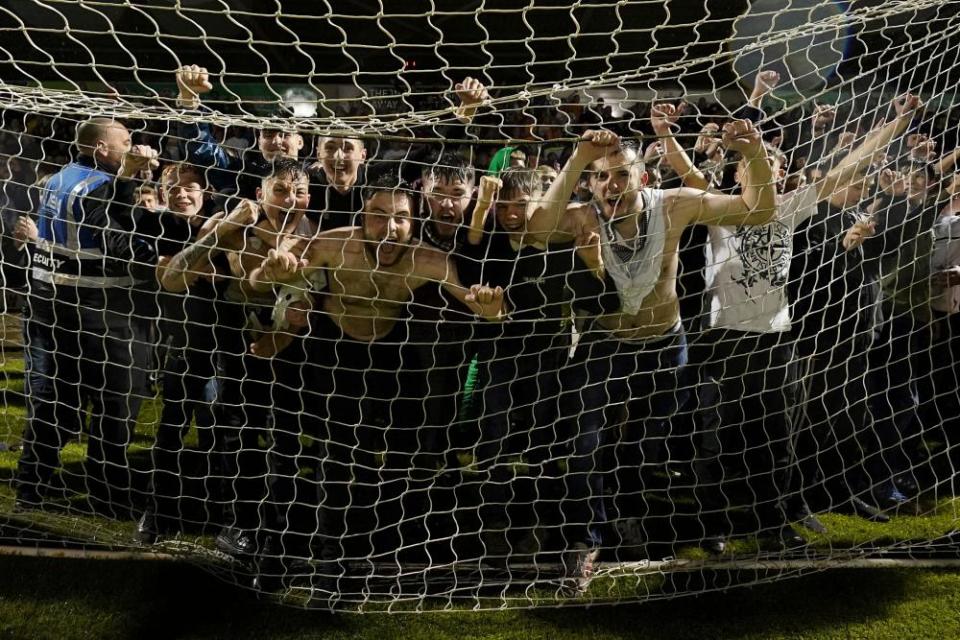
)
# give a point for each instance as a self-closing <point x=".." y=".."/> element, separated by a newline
<point x="190" y="390"/>
<point x="605" y="376"/>
<point x="83" y="353"/>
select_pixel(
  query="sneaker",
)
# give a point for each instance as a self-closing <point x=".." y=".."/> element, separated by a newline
<point x="236" y="542"/>
<point x="148" y="528"/>
<point x="806" y="519"/>
<point x="888" y="497"/>
<point x="579" y="566"/>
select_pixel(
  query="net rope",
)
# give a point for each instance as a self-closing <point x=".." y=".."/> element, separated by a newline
<point x="503" y="416"/>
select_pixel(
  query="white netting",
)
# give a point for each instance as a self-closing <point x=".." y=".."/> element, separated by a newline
<point x="671" y="384"/>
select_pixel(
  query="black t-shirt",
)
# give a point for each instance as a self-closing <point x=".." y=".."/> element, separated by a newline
<point x="835" y="291"/>
<point x="541" y="287"/>
<point x="331" y="209"/>
<point x="188" y="319"/>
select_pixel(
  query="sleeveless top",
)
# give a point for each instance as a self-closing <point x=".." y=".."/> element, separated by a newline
<point x="635" y="264"/>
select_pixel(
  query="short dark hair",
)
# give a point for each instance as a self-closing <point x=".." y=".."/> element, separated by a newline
<point x="450" y="166"/>
<point x="288" y="168"/>
<point x="519" y="179"/>
<point x="627" y="146"/>
<point x="388" y="181"/>
<point x="177" y="168"/>
<point x="91" y="131"/>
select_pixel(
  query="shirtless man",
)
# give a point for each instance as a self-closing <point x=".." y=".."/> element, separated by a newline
<point x="371" y="272"/>
<point x="638" y="352"/>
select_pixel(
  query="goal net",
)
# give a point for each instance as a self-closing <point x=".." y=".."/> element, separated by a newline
<point x="481" y="305"/>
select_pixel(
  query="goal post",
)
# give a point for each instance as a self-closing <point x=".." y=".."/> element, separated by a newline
<point x="434" y="306"/>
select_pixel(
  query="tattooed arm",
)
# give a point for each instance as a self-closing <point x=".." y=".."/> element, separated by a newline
<point x="177" y="274"/>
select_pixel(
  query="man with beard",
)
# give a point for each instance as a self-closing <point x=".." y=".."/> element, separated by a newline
<point x="83" y="316"/>
<point x="372" y="272"/>
<point x="639" y="351"/>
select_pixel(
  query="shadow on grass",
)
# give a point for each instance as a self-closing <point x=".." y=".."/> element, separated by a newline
<point x="61" y="598"/>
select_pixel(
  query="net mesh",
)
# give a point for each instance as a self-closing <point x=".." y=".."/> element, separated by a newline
<point x="648" y="393"/>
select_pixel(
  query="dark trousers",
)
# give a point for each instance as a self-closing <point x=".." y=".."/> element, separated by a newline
<point x="365" y="485"/>
<point x="941" y="406"/>
<point x="190" y="390"/>
<point x="243" y="419"/>
<point x="605" y="376"/>
<point x="521" y="395"/>
<point x="899" y="360"/>
<point x="837" y="445"/>
<point x="748" y="389"/>
<point x="441" y="353"/>
<point x="83" y="358"/>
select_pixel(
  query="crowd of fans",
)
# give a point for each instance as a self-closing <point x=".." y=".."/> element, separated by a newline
<point x="343" y="321"/>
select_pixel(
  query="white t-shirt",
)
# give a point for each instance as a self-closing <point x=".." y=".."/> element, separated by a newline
<point x="946" y="254"/>
<point x="748" y="268"/>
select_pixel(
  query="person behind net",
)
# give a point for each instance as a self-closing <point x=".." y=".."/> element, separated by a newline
<point x="255" y="394"/>
<point x="750" y="379"/>
<point x="443" y="332"/>
<point x="233" y="173"/>
<point x="336" y="181"/>
<point x="839" y="447"/>
<point x="82" y="311"/>
<point x="902" y="224"/>
<point x="638" y="352"/>
<point x="188" y="325"/>
<point x="372" y="271"/>
<point x="522" y="364"/>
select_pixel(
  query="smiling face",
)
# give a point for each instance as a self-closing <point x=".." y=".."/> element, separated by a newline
<point x="615" y="181"/>
<point x="447" y="200"/>
<point x="181" y="190"/>
<point x="387" y="226"/>
<point x="274" y="143"/>
<point x="341" y="159"/>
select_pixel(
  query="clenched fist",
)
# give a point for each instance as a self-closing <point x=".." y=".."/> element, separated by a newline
<point x="742" y="136"/>
<point x="139" y="159"/>
<point x="192" y="82"/>
<point x="595" y="144"/>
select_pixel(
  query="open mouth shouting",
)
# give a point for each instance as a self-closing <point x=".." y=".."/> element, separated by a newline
<point x="388" y="251"/>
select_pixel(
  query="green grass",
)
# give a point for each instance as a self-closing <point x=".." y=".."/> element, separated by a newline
<point x="85" y="599"/>
<point x="47" y="598"/>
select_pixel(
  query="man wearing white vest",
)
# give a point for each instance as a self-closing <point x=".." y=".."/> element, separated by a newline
<point x="640" y="351"/>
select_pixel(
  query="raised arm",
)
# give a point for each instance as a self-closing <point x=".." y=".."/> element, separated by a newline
<point x="481" y="209"/>
<point x="109" y="212"/>
<point x="593" y="145"/>
<point x="757" y="202"/>
<point x="766" y="82"/>
<point x="196" y="139"/>
<point x="472" y="94"/>
<point x="663" y="117"/>
<point x="948" y="162"/>
<point x="224" y="232"/>
<point x="859" y="159"/>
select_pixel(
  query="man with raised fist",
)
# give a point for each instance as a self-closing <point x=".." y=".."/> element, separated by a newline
<point x="82" y="313"/>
